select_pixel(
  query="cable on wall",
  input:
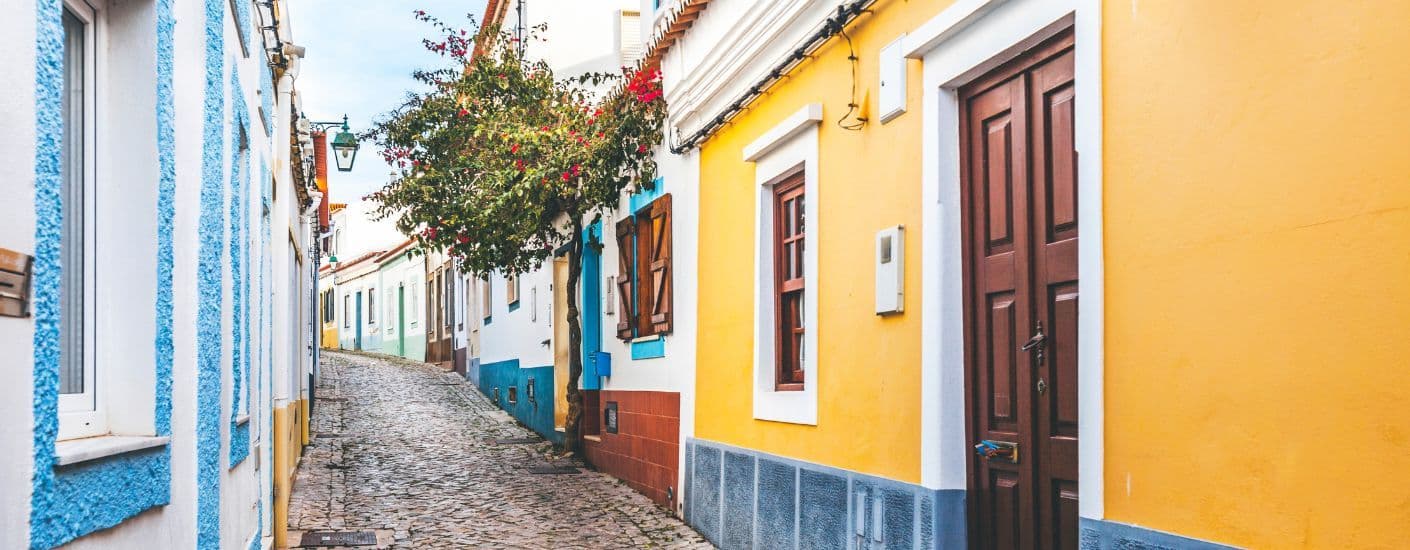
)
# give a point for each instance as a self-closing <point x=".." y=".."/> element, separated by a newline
<point x="834" y="25"/>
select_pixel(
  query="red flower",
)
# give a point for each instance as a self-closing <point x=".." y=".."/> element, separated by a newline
<point x="462" y="112"/>
<point x="576" y="170"/>
<point x="514" y="148"/>
<point x="601" y="135"/>
<point x="566" y="177"/>
<point x="519" y="163"/>
<point x="429" y="233"/>
<point x="544" y="129"/>
<point x="641" y="148"/>
<point x="462" y="239"/>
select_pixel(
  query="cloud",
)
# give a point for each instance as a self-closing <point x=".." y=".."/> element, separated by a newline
<point x="361" y="54"/>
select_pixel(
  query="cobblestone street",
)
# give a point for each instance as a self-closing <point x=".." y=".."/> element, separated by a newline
<point x="407" y="450"/>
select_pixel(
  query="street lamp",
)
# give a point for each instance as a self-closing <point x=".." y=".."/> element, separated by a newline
<point x="344" y="144"/>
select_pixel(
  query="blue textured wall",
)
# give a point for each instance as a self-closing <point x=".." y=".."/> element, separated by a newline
<point x="740" y="498"/>
<point x="239" y="269"/>
<point x="1110" y="535"/>
<point x="537" y="414"/>
<point x="208" y="285"/>
<point x="705" y="492"/>
<point x="737" y="531"/>
<point x="72" y="501"/>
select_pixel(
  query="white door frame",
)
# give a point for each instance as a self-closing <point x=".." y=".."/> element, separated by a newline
<point x="962" y="42"/>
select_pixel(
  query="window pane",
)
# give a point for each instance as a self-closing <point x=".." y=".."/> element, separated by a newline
<point x="72" y="298"/>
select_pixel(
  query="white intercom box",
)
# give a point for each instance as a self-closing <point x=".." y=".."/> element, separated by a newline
<point x="890" y="269"/>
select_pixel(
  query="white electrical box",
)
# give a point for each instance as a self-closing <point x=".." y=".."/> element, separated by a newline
<point x="891" y="100"/>
<point x="890" y="269"/>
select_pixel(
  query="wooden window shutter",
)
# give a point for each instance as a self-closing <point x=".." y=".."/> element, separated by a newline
<point x="625" y="312"/>
<point x="661" y="265"/>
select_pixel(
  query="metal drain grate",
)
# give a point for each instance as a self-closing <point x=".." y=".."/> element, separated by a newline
<point x="515" y="441"/>
<point x="553" y="470"/>
<point x="338" y="538"/>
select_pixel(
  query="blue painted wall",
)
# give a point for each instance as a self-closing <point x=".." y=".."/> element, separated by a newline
<point x="1109" y="535"/>
<point x="536" y="414"/>
<point x="739" y="498"/>
<point x="72" y="501"/>
<point x="239" y="271"/>
<point x="208" y="284"/>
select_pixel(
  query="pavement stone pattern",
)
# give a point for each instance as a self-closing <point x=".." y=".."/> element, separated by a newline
<point x="404" y="448"/>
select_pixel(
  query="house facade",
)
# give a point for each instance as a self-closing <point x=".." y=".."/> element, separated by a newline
<point x="158" y="243"/>
<point x="356" y="284"/>
<point x="891" y="349"/>
<point x="522" y="337"/>
<point x="401" y="276"/>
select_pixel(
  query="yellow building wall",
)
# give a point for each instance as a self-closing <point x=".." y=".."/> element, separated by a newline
<point x="1257" y="212"/>
<point x="290" y="436"/>
<point x="869" y="366"/>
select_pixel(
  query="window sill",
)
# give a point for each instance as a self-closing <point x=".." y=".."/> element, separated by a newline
<point x="593" y="438"/>
<point x="648" y="338"/>
<point x="75" y="451"/>
<point x="242" y="419"/>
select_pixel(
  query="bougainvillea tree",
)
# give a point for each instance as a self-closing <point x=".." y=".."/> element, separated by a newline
<point x="503" y="164"/>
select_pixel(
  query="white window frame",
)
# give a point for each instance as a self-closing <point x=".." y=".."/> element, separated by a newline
<point x="371" y="305"/>
<point x="347" y="311"/>
<point x="83" y="414"/>
<point x="776" y="155"/>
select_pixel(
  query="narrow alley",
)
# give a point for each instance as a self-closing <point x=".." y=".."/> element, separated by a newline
<point x="409" y="452"/>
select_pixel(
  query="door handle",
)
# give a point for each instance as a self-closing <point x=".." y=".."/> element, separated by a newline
<point x="1037" y="339"/>
<point x="1003" y="450"/>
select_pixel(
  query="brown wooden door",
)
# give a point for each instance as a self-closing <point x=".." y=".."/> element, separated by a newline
<point x="1019" y="220"/>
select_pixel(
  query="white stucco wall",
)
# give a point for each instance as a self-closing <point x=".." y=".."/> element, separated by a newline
<point x="17" y="220"/>
<point x="127" y="130"/>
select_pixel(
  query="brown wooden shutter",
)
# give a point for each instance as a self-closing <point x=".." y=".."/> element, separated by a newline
<point x="661" y="265"/>
<point x="625" y="312"/>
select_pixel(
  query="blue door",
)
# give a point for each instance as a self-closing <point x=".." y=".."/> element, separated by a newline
<point x="357" y="322"/>
<point x="591" y="292"/>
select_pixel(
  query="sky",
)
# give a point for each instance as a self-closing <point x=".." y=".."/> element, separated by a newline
<point x="360" y="56"/>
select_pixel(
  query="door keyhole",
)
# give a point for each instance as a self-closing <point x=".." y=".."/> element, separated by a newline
<point x="1042" y="386"/>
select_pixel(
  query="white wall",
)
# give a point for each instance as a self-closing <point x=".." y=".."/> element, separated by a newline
<point x="577" y="37"/>
<point x="17" y="220"/>
<point x="356" y="232"/>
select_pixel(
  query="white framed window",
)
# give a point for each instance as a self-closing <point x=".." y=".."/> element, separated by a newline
<point x="415" y="305"/>
<point x="371" y="306"/>
<point x="780" y="156"/>
<point x="347" y="311"/>
<point x="81" y="413"/>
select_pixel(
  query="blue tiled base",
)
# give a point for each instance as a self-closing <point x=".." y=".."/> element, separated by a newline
<point x="536" y="412"/>
<point x="1109" y="535"/>
<point x="740" y="498"/>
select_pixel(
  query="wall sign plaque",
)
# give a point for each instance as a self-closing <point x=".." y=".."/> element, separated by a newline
<point x="15" y="273"/>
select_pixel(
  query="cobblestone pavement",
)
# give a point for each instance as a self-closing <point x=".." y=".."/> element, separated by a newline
<point x="405" y="449"/>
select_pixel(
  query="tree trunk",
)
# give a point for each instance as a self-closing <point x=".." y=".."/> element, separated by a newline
<point x="572" y="429"/>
